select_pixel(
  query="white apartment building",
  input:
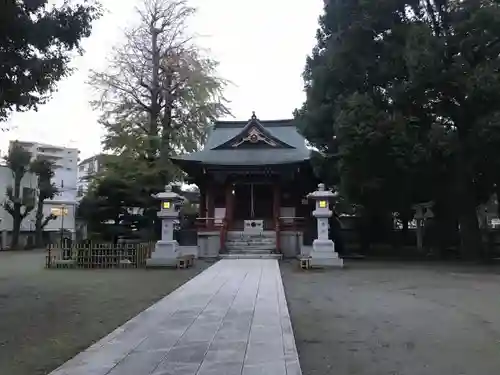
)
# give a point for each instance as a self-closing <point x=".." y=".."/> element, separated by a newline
<point x="65" y="178"/>
<point x="87" y="168"/>
<point x="65" y="167"/>
<point x="65" y="224"/>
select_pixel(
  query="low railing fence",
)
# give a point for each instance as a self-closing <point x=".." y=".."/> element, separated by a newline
<point x="95" y="255"/>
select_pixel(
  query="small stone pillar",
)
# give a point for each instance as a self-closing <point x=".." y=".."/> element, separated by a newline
<point x="423" y="211"/>
<point x="323" y="253"/>
<point x="167" y="249"/>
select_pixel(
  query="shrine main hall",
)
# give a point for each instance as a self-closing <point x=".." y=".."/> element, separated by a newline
<point x="254" y="177"/>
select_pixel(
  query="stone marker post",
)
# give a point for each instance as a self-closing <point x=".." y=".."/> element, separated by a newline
<point x="323" y="253"/>
<point x="167" y="249"/>
<point x="423" y="211"/>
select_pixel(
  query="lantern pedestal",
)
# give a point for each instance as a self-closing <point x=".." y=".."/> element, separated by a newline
<point x="323" y="253"/>
<point x="164" y="255"/>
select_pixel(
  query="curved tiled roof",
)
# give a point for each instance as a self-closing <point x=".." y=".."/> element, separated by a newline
<point x="216" y="153"/>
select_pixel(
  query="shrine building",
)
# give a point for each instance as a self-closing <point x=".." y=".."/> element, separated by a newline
<point x="253" y="177"/>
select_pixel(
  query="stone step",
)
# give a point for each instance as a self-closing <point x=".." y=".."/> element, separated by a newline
<point x="251" y="256"/>
<point x="251" y="240"/>
<point x="254" y="243"/>
<point x="247" y="235"/>
<point x="250" y="251"/>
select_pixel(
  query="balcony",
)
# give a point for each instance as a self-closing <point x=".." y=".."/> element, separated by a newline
<point x="50" y="157"/>
<point x="50" y="149"/>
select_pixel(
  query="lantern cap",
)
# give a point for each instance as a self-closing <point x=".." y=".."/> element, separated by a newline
<point x="322" y="193"/>
<point x="168" y="194"/>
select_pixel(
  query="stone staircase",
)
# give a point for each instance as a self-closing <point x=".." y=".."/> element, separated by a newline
<point x="243" y="245"/>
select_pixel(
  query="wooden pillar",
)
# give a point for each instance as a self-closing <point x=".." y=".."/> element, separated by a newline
<point x="202" y="211"/>
<point x="276" y="213"/>
<point x="210" y="199"/>
<point x="229" y="203"/>
<point x="228" y="215"/>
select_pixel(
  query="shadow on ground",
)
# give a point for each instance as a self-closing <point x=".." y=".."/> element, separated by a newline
<point x="394" y="318"/>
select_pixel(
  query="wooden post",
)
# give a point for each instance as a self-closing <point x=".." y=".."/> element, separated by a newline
<point x="229" y="203"/>
<point x="276" y="213"/>
<point x="210" y="199"/>
<point x="228" y="215"/>
<point x="202" y="211"/>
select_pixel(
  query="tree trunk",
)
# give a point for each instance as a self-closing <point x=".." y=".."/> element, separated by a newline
<point x="470" y="234"/>
<point x="16" y="226"/>
<point x="39" y="224"/>
<point x="155" y="95"/>
<point x="16" y="217"/>
<point x="497" y="192"/>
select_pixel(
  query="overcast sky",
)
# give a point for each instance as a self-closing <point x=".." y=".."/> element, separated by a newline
<point x="261" y="46"/>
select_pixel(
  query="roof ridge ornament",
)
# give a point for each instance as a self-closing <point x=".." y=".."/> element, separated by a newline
<point x="255" y="136"/>
<point x="254" y="117"/>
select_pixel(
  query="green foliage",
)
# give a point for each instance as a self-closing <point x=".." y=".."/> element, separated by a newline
<point x="158" y="97"/>
<point x="104" y="205"/>
<point x="109" y="208"/>
<point x="403" y="99"/>
<point x="160" y="93"/>
<point x="17" y="204"/>
<point x="36" y="43"/>
<point x="44" y="170"/>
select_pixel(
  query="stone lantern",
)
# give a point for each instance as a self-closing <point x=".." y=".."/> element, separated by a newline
<point x="167" y="249"/>
<point x="323" y="253"/>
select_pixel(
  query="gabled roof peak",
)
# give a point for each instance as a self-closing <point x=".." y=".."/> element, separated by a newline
<point x="252" y="134"/>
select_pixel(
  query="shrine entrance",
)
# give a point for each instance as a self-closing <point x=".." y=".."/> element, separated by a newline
<point x="253" y="201"/>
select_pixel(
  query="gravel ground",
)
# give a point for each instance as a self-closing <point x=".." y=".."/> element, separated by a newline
<point x="396" y="319"/>
<point x="48" y="316"/>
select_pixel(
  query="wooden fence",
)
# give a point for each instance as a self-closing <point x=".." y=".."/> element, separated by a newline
<point x="95" y="255"/>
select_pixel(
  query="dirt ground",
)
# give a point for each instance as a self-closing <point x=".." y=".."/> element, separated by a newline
<point x="396" y="319"/>
<point x="48" y="316"/>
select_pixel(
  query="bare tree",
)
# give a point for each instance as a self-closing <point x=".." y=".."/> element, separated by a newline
<point x="159" y="93"/>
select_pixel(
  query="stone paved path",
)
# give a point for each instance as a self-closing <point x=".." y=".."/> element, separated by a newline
<point x="232" y="319"/>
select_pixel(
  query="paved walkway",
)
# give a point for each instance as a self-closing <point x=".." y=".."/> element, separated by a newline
<point x="232" y="319"/>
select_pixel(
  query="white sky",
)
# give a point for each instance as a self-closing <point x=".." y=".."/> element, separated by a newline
<point x="261" y="46"/>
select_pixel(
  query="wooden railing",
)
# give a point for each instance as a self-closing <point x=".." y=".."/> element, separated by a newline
<point x="291" y="223"/>
<point x="208" y="223"/>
